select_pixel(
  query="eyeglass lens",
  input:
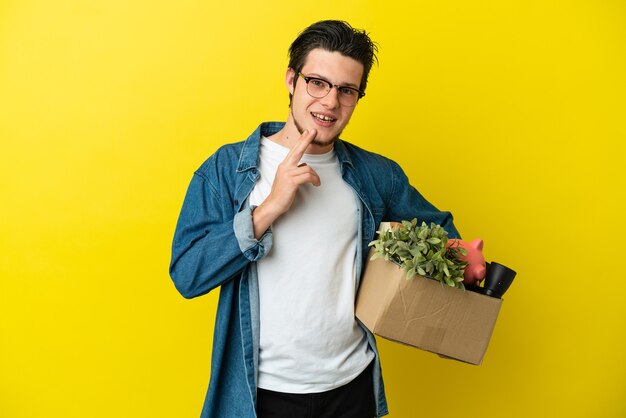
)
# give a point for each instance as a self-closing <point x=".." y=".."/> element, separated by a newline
<point x="320" y="88"/>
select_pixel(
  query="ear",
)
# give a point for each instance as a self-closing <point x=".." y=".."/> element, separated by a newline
<point x="291" y="73"/>
<point x="478" y="244"/>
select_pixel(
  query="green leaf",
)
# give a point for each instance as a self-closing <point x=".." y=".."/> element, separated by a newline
<point x="403" y="245"/>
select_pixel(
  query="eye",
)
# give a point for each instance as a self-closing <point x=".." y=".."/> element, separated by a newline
<point x="317" y="83"/>
<point x="347" y="91"/>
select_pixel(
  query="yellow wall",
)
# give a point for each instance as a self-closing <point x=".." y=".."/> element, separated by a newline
<point x="511" y="114"/>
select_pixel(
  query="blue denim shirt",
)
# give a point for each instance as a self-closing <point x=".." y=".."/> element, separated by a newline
<point x="214" y="245"/>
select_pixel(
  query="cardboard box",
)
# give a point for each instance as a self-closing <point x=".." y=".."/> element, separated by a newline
<point x="424" y="313"/>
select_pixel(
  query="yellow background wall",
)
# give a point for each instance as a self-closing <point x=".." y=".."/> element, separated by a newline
<point x="508" y="113"/>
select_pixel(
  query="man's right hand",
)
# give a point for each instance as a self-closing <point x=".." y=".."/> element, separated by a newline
<point x="290" y="175"/>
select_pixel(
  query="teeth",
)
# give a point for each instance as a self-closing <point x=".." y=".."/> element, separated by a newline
<point x="323" y="117"/>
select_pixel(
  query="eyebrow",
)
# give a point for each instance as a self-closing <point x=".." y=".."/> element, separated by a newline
<point x="321" y="77"/>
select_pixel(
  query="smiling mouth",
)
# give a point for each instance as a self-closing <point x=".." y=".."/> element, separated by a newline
<point x="323" y="118"/>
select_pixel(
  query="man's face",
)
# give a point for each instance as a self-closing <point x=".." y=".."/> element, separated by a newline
<point x="326" y="114"/>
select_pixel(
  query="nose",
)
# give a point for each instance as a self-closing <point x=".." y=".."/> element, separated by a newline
<point x="331" y="100"/>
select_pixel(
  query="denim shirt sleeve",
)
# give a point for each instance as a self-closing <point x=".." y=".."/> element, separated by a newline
<point x="251" y="248"/>
<point x="407" y="203"/>
<point x="212" y="244"/>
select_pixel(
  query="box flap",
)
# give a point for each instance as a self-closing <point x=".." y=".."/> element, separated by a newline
<point x="376" y="292"/>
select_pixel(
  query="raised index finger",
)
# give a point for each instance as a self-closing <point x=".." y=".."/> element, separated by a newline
<point x="297" y="151"/>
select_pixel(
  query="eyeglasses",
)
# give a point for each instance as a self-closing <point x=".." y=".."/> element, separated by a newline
<point x="318" y="88"/>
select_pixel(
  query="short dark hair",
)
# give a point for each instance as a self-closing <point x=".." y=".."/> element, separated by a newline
<point x="334" y="36"/>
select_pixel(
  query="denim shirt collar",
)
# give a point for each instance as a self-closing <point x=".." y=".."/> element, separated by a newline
<point x="249" y="157"/>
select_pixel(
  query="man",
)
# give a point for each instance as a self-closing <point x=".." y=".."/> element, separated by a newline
<point x="281" y="222"/>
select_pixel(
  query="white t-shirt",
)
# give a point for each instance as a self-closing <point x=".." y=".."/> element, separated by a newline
<point x="309" y="338"/>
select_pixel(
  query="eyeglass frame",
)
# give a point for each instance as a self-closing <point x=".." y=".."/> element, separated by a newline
<point x="328" y="83"/>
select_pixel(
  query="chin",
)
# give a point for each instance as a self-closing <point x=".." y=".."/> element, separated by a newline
<point x="324" y="143"/>
<point x="316" y="141"/>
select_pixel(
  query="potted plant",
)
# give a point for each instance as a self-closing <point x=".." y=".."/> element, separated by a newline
<point x="422" y="250"/>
